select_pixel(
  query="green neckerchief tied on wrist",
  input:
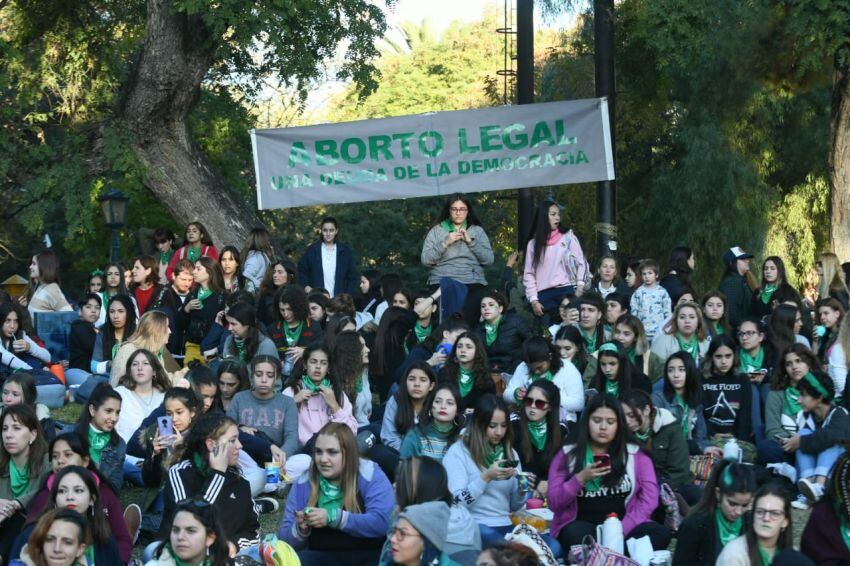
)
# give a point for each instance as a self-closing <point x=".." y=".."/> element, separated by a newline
<point x="19" y="478"/>
<point x="293" y="335"/>
<point x="491" y="331"/>
<point x="193" y="254"/>
<point x="679" y="400"/>
<point x="204" y="293"/>
<point x="421" y="332"/>
<point x="308" y="383"/>
<point x="496" y="453"/>
<point x="612" y="387"/>
<point x="726" y="530"/>
<point x="449" y="227"/>
<point x="767" y="293"/>
<point x="691" y="346"/>
<point x="596" y="483"/>
<point x="589" y="340"/>
<point x="750" y="364"/>
<point x="537" y="432"/>
<point x="791" y="402"/>
<point x="465" y="381"/>
<point x="330" y="499"/>
<point x="97" y="442"/>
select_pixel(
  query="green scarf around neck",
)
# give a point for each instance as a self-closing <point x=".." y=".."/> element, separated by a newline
<point x="442" y="428"/>
<point x="767" y="293"/>
<point x="791" y="402"/>
<point x="449" y="227"/>
<point x="547" y="376"/>
<point x="19" y="478"/>
<point x="200" y="465"/>
<point x="330" y="499"/>
<point x="421" y="332"/>
<point x="293" y="335"/>
<point x="726" y="530"/>
<point x="193" y="254"/>
<point x="642" y="436"/>
<point x="465" y="381"/>
<point x="686" y="429"/>
<point x="177" y="560"/>
<point x="497" y="453"/>
<point x="241" y="350"/>
<point x="718" y="329"/>
<point x="97" y="442"/>
<point x="691" y="346"/>
<point x="491" y="331"/>
<point x="596" y="483"/>
<point x="308" y="383"/>
<point x="589" y="340"/>
<point x="203" y="294"/>
<point x="631" y="352"/>
<point x="165" y="257"/>
<point x="537" y="432"/>
<point x="766" y="557"/>
<point x="750" y="364"/>
<point x="612" y="387"/>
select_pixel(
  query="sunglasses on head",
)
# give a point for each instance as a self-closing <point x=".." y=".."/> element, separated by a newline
<point x="538" y="404"/>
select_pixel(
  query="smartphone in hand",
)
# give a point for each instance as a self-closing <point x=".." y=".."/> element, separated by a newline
<point x="604" y="460"/>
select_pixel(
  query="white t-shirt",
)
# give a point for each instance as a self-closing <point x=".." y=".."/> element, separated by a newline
<point x="134" y="410"/>
<point x="329" y="267"/>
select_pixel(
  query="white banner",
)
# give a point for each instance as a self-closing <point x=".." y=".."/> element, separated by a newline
<point x="464" y="151"/>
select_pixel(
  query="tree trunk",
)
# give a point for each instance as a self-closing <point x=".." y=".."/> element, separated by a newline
<point x="161" y="92"/>
<point x="839" y="161"/>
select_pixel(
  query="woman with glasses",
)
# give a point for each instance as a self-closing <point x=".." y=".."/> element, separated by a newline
<point x="457" y="247"/>
<point x="538" y="433"/>
<point x="419" y="537"/>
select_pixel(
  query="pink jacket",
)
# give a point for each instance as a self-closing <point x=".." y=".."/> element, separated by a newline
<point x="563" y="264"/>
<point x="564" y="489"/>
<point x="314" y="413"/>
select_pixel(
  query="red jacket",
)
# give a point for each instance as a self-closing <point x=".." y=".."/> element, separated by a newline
<point x="207" y="251"/>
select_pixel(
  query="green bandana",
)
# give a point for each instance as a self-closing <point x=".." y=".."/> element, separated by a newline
<point x="491" y="331"/>
<point x="678" y="400"/>
<point x="241" y="351"/>
<point x="750" y="364"/>
<point x="496" y="453"/>
<point x="177" y="560"/>
<point x="642" y="436"/>
<point x="449" y="227"/>
<point x="330" y="499"/>
<point x="204" y="293"/>
<point x="293" y="335"/>
<point x="443" y="428"/>
<point x="421" y="332"/>
<point x="89" y="554"/>
<point x="612" y="387"/>
<point x="596" y="483"/>
<point x="358" y="385"/>
<point x="589" y="340"/>
<point x="19" y="479"/>
<point x="726" y="530"/>
<point x="193" y="254"/>
<point x="115" y="348"/>
<point x="537" y="432"/>
<point x="308" y="383"/>
<point x="718" y="329"/>
<point x="791" y="403"/>
<point x="465" y="381"/>
<point x="766" y="557"/>
<point x="165" y="257"/>
<point x="547" y="376"/>
<point x="812" y="380"/>
<point x="631" y="352"/>
<point x="200" y="465"/>
<point x="97" y="442"/>
<point x="767" y="293"/>
<point x="691" y="347"/>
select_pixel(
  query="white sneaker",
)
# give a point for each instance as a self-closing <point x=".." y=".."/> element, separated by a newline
<point x="813" y="491"/>
<point x="800" y="503"/>
<point x="784" y="469"/>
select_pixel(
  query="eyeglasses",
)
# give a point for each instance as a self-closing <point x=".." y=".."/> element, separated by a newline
<point x="747" y="334"/>
<point x="402" y="534"/>
<point x="456" y="209"/>
<point x="771" y="514"/>
<point x="538" y="404"/>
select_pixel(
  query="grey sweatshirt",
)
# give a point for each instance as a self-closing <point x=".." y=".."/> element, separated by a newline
<point x="277" y="418"/>
<point x="460" y="261"/>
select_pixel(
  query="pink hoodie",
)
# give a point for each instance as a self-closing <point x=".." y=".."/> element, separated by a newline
<point x="563" y="264"/>
<point x="314" y="413"/>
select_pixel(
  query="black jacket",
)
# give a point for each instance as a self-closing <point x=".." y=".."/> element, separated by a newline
<point x="674" y="285"/>
<point x="81" y="344"/>
<point x="697" y="543"/>
<point x="230" y="493"/>
<point x="169" y="302"/>
<point x="311" y="274"/>
<point x="739" y="298"/>
<point x="505" y="354"/>
<point x="199" y="322"/>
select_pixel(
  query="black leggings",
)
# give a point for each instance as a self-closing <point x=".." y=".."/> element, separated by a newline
<point x="575" y="532"/>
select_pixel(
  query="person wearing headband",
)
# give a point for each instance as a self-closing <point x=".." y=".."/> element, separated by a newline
<point x="819" y="442"/>
<point x="614" y="373"/>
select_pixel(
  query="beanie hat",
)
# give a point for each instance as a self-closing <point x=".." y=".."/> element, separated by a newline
<point x="431" y="519"/>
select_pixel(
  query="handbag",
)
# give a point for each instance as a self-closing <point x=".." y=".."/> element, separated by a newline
<point x="591" y="553"/>
<point x="528" y="536"/>
<point x="672" y="512"/>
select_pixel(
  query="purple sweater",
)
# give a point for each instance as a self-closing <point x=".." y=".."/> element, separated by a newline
<point x="564" y="489"/>
<point x="822" y="540"/>
<point x="376" y="495"/>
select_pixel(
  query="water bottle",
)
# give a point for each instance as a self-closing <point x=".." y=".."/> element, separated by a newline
<point x="610" y="533"/>
<point x="731" y="451"/>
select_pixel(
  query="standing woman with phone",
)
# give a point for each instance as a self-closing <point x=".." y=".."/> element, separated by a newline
<point x="603" y="473"/>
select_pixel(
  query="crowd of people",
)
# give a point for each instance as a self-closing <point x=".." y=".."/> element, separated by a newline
<point x="425" y="426"/>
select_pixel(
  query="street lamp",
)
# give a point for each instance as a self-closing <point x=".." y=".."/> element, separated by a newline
<point x="114" y="206"/>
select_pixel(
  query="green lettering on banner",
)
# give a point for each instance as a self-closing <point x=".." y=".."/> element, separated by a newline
<point x="464" y="144"/>
<point x="345" y="150"/>
<point x="326" y="153"/>
<point x="519" y="141"/>
<point x="438" y="143"/>
<point x="298" y="155"/>
<point x="490" y="138"/>
<point x="404" y="138"/>
<point x="541" y="134"/>
<point x="380" y="145"/>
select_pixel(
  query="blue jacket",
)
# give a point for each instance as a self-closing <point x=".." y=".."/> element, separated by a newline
<point x="310" y="273"/>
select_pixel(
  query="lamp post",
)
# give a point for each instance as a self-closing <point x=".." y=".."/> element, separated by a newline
<point x="114" y="206"/>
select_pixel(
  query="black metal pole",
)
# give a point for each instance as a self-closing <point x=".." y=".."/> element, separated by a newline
<point x="525" y="95"/>
<point x="606" y="198"/>
<point x="116" y="246"/>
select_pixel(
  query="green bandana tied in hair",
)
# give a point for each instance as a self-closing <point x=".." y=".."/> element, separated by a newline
<point x="97" y="442"/>
<point x="203" y="294"/>
<point x="491" y="331"/>
<point x="173" y="554"/>
<point x="596" y="483"/>
<point x="421" y="332"/>
<point x="813" y="381"/>
<point x="465" y="381"/>
<point x="726" y="530"/>
<point x="496" y="453"/>
<point x="293" y="335"/>
<point x="750" y="364"/>
<point x="19" y="479"/>
<point x="307" y="383"/>
<point x="449" y="227"/>
<point x="691" y="347"/>
<point x="330" y="499"/>
<point x="193" y="254"/>
<point x="791" y="402"/>
<point x="537" y="432"/>
<point x="589" y="340"/>
<point x="767" y="293"/>
<point x="679" y="400"/>
<point x="612" y="387"/>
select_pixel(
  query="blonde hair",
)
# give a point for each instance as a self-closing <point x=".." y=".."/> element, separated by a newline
<point x="350" y="467"/>
<point x="152" y="332"/>
<point x="671" y="327"/>
<point x="844" y="338"/>
<point x="831" y="279"/>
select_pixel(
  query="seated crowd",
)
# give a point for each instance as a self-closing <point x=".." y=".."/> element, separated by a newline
<point x="414" y="428"/>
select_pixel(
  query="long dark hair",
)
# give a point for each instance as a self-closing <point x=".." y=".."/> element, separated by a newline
<point x="300" y="369"/>
<point x="480" y="366"/>
<point x="240" y="279"/>
<point x="781" y="277"/>
<point x="716" y="344"/>
<point x="780" y="329"/>
<point x="99" y="527"/>
<point x="267" y="286"/>
<point x="637" y="400"/>
<point x="100" y="395"/>
<point x="617" y="448"/>
<point x="210" y="425"/>
<point x="540" y="230"/>
<point x="109" y="328"/>
<point x="727" y="477"/>
<point x="246" y="315"/>
<point x="6" y="309"/>
<point x="405" y="417"/>
<point x="208" y="516"/>
<point x="386" y="340"/>
<point x="24" y="415"/>
<point x="786" y="536"/>
<point x="572" y="334"/>
<point x="693" y="393"/>
<point x="420" y="479"/>
<point x="425" y="419"/>
<point x="373" y="276"/>
<point x="624" y="368"/>
<point x="678" y="262"/>
<point x="237" y="368"/>
<point x="296" y="298"/>
<point x="445" y="213"/>
<point x="475" y="437"/>
<point x="553" y="425"/>
<point x="537" y="349"/>
<point x="347" y="361"/>
<point x="206" y="239"/>
<point x="781" y="379"/>
<point x="724" y="320"/>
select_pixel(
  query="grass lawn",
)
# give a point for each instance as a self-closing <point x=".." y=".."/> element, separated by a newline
<point x="269" y="523"/>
